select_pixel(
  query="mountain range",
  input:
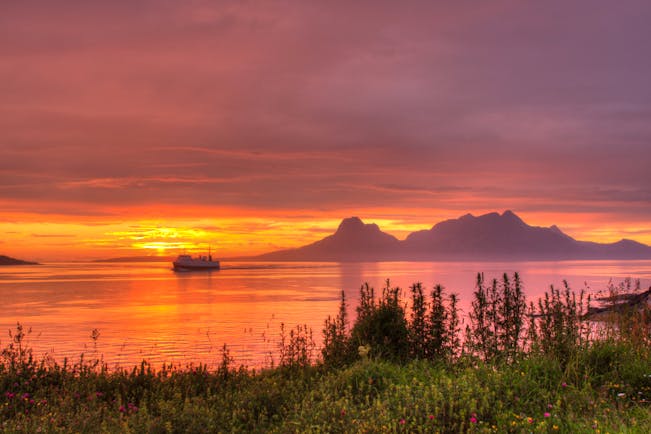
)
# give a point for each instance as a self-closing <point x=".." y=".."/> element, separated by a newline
<point x="487" y="237"/>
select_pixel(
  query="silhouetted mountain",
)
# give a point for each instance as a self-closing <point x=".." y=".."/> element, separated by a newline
<point x="491" y="236"/>
<point x="353" y="241"/>
<point x="6" y="260"/>
<point x="487" y="237"/>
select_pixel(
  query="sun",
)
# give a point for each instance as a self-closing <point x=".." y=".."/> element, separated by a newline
<point x="162" y="238"/>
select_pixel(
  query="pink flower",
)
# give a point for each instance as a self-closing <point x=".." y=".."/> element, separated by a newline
<point x="122" y="409"/>
<point x="343" y="412"/>
<point x="402" y="421"/>
<point x="564" y="384"/>
<point x="530" y="419"/>
<point x="547" y="414"/>
<point x="473" y="419"/>
<point x="550" y="406"/>
<point x="431" y="417"/>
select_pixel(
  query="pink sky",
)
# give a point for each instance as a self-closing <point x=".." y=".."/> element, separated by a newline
<point x="241" y="115"/>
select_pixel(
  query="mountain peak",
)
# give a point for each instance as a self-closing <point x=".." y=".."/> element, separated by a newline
<point x="350" y="223"/>
<point x="511" y="216"/>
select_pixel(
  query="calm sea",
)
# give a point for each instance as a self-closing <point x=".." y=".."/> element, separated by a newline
<point x="147" y="311"/>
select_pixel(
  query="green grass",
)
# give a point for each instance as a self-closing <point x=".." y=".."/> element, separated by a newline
<point x="603" y="389"/>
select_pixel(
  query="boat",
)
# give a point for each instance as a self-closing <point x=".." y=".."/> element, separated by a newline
<point x="200" y="263"/>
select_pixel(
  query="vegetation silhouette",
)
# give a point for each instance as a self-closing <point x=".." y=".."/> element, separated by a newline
<point x="399" y="367"/>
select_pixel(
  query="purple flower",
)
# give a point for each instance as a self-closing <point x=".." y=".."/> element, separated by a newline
<point x="25" y="395"/>
<point x="10" y="395"/>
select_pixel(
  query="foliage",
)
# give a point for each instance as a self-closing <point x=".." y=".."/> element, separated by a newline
<point x="497" y="319"/>
<point x="560" y="330"/>
<point x="382" y="325"/>
<point x="543" y="370"/>
<point x="297" y="348"/>
<point x="336" y="351"/>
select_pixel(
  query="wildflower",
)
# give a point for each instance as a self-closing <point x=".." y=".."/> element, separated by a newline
<point x="25" y="396"/>
<point x="10" y="395"/>
<point x="549" y="406"/>
<point x="547" y="414"/>
<point x="555" y="427"/>
<point x="402" y="421"/>
<point x="122" y="409"/>
<point x="343" y="412"/>
<point x="431" y="417"/>
<point x="621" y="395"/>
<point x="564" y="384"/>
<point x="530" y="419"/>
<point x="473" y="418"/>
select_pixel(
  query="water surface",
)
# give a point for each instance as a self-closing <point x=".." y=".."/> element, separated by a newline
<point x="147" y="311"/>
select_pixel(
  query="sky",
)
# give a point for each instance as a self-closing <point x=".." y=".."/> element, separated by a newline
<point x="132" y="127"/>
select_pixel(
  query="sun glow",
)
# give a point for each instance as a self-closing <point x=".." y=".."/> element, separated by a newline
<point x="245" y="233"/>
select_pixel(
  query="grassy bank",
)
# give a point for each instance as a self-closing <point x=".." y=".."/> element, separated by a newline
<point x="391" y="370"/>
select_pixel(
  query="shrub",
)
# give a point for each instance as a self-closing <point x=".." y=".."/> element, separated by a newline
<point x="382" y="326"/>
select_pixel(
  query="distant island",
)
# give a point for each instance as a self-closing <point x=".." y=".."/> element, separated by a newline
<point x="136" y="259"/>
<point x="6" y="260"/>
<point x="489" y="237"/>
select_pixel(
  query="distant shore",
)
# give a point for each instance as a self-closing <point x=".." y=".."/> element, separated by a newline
<point x="6" y="260"/>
